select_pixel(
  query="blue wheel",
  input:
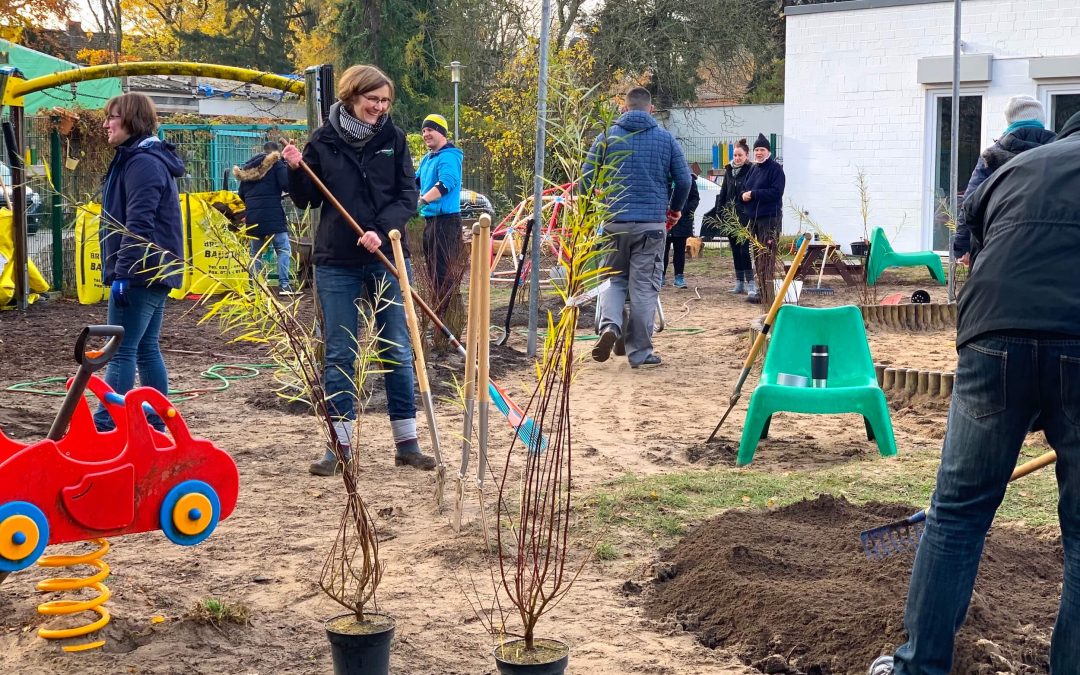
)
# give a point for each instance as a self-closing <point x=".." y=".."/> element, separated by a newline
<point x="190" y="512"/>
<point x="24" y="534"/>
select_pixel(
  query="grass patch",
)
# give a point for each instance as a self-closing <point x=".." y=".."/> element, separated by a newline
<point x="606" y="551"/>
<point x="665" y="506"/>
<point x="217" y="612"/>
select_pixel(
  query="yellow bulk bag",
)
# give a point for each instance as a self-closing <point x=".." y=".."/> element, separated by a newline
<point x="7" y="265"/>
<point x="212" y="268"/>
<point x="88" y="282"/>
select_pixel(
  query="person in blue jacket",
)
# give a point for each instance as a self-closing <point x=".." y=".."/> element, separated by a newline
<point x="439" y="181"/>
<point x="652" y="181"/>
<point x="141" y="244"/>
<point x="762" y="204"/>
<point x="263" y="179"/>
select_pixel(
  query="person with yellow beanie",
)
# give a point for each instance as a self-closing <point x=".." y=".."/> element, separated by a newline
<point x="439" y="182"/>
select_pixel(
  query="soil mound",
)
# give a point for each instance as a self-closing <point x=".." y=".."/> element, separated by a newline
<point x="790" y="591"/>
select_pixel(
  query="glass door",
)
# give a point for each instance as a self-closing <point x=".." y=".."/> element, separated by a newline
<point x="1063" y="106"/>
<point x="970" y="148"/>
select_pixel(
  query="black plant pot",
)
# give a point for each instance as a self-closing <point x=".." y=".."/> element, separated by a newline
<point x="509" y="661"/>
<point x="360" y="650"/>
<point x="860" y="248"/>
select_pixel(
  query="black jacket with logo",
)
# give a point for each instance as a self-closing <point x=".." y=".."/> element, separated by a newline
<point x="377" y="186"/>
<point x="1025" y="232"/>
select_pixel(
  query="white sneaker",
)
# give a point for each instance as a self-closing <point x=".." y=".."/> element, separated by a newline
<point x="882" y="665"/>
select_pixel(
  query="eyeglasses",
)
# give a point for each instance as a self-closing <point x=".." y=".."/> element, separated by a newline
<point x="375" y="100"/>
<point x="112" y="117"/>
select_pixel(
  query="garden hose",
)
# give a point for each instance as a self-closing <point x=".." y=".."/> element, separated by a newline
<point x="216" y="372"/>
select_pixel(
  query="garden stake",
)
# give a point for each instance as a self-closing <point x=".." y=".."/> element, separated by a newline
<point x="904" y="535"/>
<point x="524" y="426"/>
<point x="765" y="326"/>
<point x="420" y="366"/>
<point x="471" y="336"/>
<point x="483" y="352"/>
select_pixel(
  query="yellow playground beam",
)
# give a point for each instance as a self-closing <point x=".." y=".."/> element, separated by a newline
<point x="17" y="89"/>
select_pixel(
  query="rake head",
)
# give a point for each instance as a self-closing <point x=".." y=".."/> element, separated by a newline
<point x="824" y="290"/>
<point x="888" y="540"/>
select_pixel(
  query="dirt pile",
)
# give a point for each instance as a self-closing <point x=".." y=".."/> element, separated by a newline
<point x="790" y="591"/>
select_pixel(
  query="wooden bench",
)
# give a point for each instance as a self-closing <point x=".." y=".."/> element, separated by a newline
<point x="851" y="268"/>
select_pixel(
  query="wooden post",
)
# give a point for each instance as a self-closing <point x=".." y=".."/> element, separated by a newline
<point x="911" y="381"/>
<point x="933" y="386"/>
<point x="879" y="371"/>
<point x="888" y="379"/>
<point x="947" y="380"/>
<point x="924" y="382"/>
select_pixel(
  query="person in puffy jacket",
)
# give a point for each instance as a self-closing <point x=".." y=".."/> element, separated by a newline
<point x="142" y="244"/>
<point x="762" y="205"/>
<point x="263" y="179"/>
<point x="363" y="159"/>
<point x="646" y="161"/>
<point x="679" y="233"/>
<point x="1025" y="116"/>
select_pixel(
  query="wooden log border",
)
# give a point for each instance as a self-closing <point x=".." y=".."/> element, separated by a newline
<point x="910" y="317"/>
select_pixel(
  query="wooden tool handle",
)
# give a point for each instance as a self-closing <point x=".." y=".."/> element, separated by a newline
<point x="410" y="312"/>
<point x="472" y="328"/>
<point x="778" y="301"/>
<point x="483" y="323"/>
<point x="1034" y="465"/>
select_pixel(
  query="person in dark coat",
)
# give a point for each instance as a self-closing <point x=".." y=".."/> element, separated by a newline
<point x="730" y="199"/>
<point x="142" y="244"/>
<point x="263" y="179"/>
<point x="678" y="234"/>
<point x="762" y="205"/>
<point x="1018" y="345"/>
<point x="1025" y="116"/>
<point x="363" y="159"/>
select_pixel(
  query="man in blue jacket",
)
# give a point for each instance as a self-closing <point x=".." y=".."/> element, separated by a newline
<point x="762" y="203"/>
<point x="263" y="179"/>
<point x="439" y="180"/>
<point x="646" y="161"/>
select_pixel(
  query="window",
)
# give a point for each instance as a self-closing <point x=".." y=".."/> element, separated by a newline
<point x="971" y="109"/>
<point x="1063" y="105"/>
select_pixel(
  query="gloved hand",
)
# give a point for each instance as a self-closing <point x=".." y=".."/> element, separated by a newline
<point x="292" y="155"/>
<point x="118" y="291"/>
<point x="421" y="203"/>
<point x="672" y="218"/>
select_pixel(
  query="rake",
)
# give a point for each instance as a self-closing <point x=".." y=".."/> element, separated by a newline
<point x="904" y="535"/>
<point x="821" y="290"/>
<point x="523" y="425"/>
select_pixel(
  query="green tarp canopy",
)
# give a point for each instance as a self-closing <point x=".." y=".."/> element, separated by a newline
<point x="91" y="94"/>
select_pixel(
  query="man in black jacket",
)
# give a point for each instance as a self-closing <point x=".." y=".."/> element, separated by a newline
<point x="1018" y="339"/>
<point x="263" y="179"/>
<point x="679" y="233"/>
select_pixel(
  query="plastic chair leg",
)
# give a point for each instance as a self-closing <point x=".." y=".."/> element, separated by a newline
<point x="881" y="426"/>
<point x="869" y="429"/>
<point x="765" y="428"/>
<point x="756" y="421"/>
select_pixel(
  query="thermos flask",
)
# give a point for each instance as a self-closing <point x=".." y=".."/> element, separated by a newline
<point x="819" y="366"/>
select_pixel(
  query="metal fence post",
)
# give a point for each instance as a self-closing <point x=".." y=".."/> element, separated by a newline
<point x="57" y="173"/>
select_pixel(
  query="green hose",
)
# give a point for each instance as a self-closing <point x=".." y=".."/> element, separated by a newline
<point x="216" y="372"/>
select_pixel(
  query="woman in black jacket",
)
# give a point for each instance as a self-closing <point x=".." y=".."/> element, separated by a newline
<point x="734" y="181"/>
<point x="678" y="234"/>
<point x="262" y="180"/>
<point x="364" y="161"/>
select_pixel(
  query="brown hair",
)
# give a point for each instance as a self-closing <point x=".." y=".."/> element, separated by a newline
<point x="137" y="113"/>
<point x="638" y="98"/>
<point x="741" y="143"/>
<point x="360" y="79"/>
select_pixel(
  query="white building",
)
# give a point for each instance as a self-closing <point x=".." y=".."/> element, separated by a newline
<point x="868" y="86"/>
<point x="701" y="127"/>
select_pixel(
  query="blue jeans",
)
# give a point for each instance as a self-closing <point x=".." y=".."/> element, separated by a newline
<point x="140" y="348"/>
<point x="282" y="251"/>
<point x="340" y="291"/>
<point x="1003" y="385"/>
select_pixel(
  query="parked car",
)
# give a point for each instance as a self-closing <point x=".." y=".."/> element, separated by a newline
<point x="34" y="214"/>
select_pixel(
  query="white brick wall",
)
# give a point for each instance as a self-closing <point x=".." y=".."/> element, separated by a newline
<point x="853" y="100"/>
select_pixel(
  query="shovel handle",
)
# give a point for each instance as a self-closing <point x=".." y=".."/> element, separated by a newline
<point x="95" y="359"/>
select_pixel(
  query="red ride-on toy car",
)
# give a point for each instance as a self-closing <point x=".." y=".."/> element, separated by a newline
<point x="85" y="484"/>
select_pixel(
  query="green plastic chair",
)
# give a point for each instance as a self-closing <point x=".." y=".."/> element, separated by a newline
<point x="882" y="257"/>
<point x="852" y="384"/>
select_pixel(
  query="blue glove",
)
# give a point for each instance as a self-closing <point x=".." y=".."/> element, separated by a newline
<point x="421" y="203"/>
<point x="118" y="291"/>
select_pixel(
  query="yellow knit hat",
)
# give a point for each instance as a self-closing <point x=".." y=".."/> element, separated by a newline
<point x="436" y="122"/>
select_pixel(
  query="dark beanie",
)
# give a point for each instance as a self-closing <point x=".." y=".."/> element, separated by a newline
<point x="762" y="142"/>
<point x="436" y="122"/>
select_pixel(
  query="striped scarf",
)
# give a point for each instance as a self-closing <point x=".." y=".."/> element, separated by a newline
<point x="356" y="129"/>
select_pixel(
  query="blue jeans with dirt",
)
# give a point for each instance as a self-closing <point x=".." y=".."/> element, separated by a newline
<point x="282" y="251"/>
<point x="341" y="289"/>
<point x="1005" y="386"/>
<point x="139" y="350"/>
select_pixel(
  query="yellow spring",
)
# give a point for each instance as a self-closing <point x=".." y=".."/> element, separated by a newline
<point x="66" y="607"/>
